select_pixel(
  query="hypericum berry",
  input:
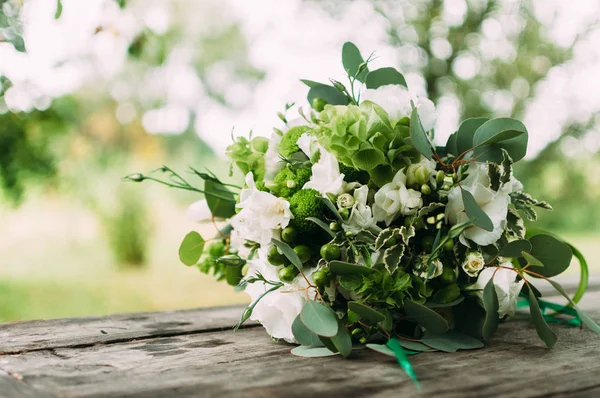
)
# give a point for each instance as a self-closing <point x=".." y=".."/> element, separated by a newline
<point x="287" y="274"/>
<point x="289" y="234"/>
<point x="330" y="252"/>
<point x="276" y="258"/>
<point x="335" y="227"/>
<point x="345" y="213"/>
<point x="448" y="276"/>
<point x="217" y="249"/>
<point x="318" y="104"/>
<point x="449" y="245"/>
<point x="303" y="252"/>
<point x="320" y="277"/>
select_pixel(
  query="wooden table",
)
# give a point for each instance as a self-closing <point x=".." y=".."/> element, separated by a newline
<point x="195" y="353"/>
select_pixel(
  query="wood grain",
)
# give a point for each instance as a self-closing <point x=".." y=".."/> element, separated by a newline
<point x="215" y="363"/>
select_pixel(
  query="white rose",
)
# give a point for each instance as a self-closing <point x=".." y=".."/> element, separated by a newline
<point x="395" y="100"/>
<point x="277" y="310"/>
<point x="493" y="203"/>
<point x="326" y="177"/>
<point x="505" y="284"/>
<point x="473" y="263"/>
<point x="394" y="199"/>
<point x="361" y="216"/>
<point x="261" y="215"/>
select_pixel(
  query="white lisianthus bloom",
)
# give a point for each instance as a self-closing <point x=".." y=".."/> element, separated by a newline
<point x="493" y="203"/>
<point x="361" y="216"/>
<point x="277" y="310"/>
<point x="200" y="212"/>
<point x="473" y="263"/>
<point x="395" y="100"/>
<point x="505" y="284"/>
<point x="326" y="177"/>
<point x="262" y="214"/>
<point x="394" y="199"/>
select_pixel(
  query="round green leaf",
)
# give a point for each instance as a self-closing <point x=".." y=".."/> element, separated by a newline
<point x="288" y="252"/>
<point x="491" y="306"/>
<point x="352" y="59"/>
<point x="191" y="248"/>
<point x="451" y="341"/>
<point x="497" y="134"/>
<point x="330" y="94"/>
<point x="382" y="349"/>
<point x="465" y="133"/>
<point x="319" y="319"/>
<point x="366" y="313"/>
<point x="219" y="199"/>
<point x="554" y="254"/>
<point x="342" y="341"/>
<point x="368" y="158"/>
<point x="429" y="319"/>
<point x="312" y="352"/>
<point x="303" y="334"/>
<point x="514" y="248"/>
<point x="383" y="77"/>
<point x="415" y="346"/>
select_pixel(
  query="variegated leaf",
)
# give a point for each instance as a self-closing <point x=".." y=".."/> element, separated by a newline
<point x="392" y="257"/>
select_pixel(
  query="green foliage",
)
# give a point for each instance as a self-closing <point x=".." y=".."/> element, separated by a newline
<point x="425" y="317"/>
<point x="366" y="313"/>
<point x="319" y="319"/>
<point x="477" y="216"/>
<point x="451" y="341"/>
<point x="352" y="61"/>
<point x="191" y="248"/>
<point x="288" y="252"/>
<point x="304" y="204"/>
<point x="500" y="134"/>
<point x="491" y="306"/>
<point x="312" y="352"/>
<point x="552" y="253"/>
<point x="384" y="77"/>
<point x="543" y="331"/>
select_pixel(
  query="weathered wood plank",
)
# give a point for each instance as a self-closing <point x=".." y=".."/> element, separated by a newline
<point x="17" y="337"/>
<point x="248" y="363"/>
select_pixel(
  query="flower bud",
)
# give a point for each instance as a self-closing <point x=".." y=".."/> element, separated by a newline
<point x="135" y="177"/>
<point x="290" y="184"/>
<point x="439" y="177"/>
<point x="318" y="104"/>
<point x="260" y="144"/>
<point x="417" y="174"/>
<point x="345" y="213"/>
<point x="282" y="117"/>
<point x="425" y="189"/>
<point x="345" y="200"/>
<point x="338" y="86"/>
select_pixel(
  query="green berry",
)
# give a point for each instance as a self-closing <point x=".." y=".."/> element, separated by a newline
<point x="217" y="249"/>
<point x="287" y="274"/>
<point x="363" y="340"/>
<point x="289" y="234"/>
<point x="320" y="277"/>
<point x="276" y="258"/>
<point x="357" y="332"/>
<point x="335" y="227"/>
<point x="448" y="276"/>
<point x="303" y="252"/>
<point x="330" y="252"/>
<point x="318" y="104"/>
<point x="449" y="245"/>
<point x="345" y="213"/>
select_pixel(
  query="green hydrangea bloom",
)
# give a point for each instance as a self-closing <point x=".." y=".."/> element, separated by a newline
<point x="244" y="154"/>
<point x="344" y="129"/>
<point x="287" y="182"/>
<point x="306" y="203"/>
<point x="289" y="141"/>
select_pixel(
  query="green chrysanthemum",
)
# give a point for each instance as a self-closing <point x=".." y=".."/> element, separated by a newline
<point x="288" y="182"/>
<point x="289" y="141"/>
<point x="303" y="204"/>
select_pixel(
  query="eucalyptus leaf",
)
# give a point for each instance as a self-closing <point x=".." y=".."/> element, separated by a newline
<point x="465" y="133"/>
<point x="418" y="136"/>
<point x="312" y="352"/>
<point x="288" y="252"/>
<point x="332" y="208"/>
<point x="514" y="248"/>
<point x="59" y="9"/>
<point x="352" y="59"/>
<point x="312" y="83"/>
<point x="415" y="346"/>
<point x="324" y="226"/>
<point x="328" y="93"/>
<point x="451" y="341"/>
<point x="488" y="148"/>
<point x="191" y="248"/>
<point x="383" y="77"/>
<point x="342" y="341"/>
<point x="474" y="212"/>
<point x="367" y="313"/>
<point x="344" y="268"/>
<point x="425" y="317"/>
<point x="542" y="328"/>
<point x="382" y="349"/>
<point x="303" y="335"/>
<point x="445" y="305"/>
<point x="554" y="254"/>
<point x="219" y="199"/>
<point x="531" y="260"/>
<point x="319" y="319"/>
<point x="451" y="147"/>
<point x="491" y="306"/>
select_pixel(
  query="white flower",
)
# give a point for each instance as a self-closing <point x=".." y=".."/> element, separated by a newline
<point x="473" y="263"/>
<point x="421" y="270"/>
<point x="394" y="199"/>
<point x="199" y="212"/>
<point x="361" y="216"/>
<point x="326" y="177"/>
<point x="395" y="100"/>
<point x="261" y="215"/>
<point x="277" y="310"/>
<point x="505" y="284"/>
<point x="493" y="203"/>
<point x="273" y="162"/>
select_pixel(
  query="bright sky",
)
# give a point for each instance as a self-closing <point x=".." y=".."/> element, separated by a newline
<point x="288" y="40"/>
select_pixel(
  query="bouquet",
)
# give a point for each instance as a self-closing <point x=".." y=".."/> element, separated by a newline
<point x="352" y="229"/>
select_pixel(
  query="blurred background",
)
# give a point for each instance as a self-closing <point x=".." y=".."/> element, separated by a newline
<point x="94" y="90"/>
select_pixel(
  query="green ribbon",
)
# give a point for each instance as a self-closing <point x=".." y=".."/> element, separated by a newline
<point x="402" y="357"/>
<point x="558" y="309"/>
